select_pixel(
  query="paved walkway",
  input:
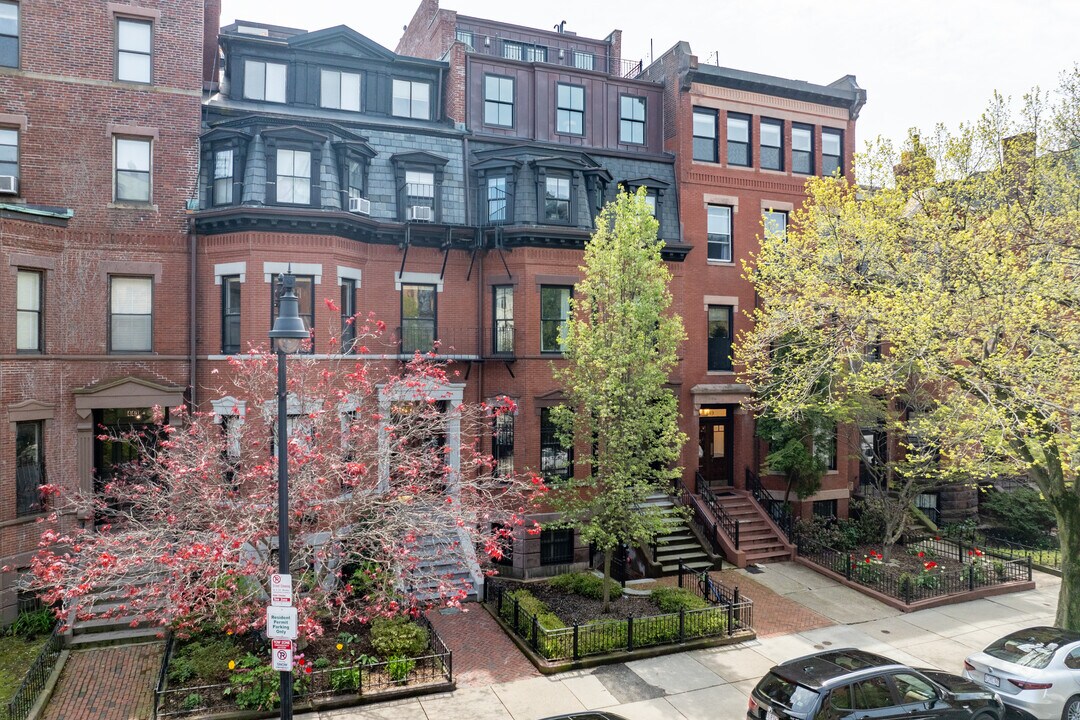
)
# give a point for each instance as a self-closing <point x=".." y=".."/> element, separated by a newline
<point x="714" y="683"/>
<point x="107" y="684"/>
<point x="483" y="654"/>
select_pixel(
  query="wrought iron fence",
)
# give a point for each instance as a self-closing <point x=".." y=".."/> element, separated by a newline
<point x="699" y="519"/>
<point x="778" y="511"/>
<point x="603" y="636"/>
<point x="33" y="683"/>
<point x="979" y="568"/>
<point x="727" y="523"/>
<point x="344" y="682"/>
<point x="1048" y="558"/>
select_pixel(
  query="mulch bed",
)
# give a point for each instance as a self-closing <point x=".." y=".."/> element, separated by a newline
<point x="577" y="610"/>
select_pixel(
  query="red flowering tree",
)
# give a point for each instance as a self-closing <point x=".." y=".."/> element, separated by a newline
<point x="392" y="501"/>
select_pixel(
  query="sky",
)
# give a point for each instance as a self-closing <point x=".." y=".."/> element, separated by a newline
<point x="920" y="61"/>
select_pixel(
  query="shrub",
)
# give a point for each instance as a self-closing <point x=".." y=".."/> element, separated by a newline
<point x="399" y="637"/>
<point x="585" y="584"/>
<point x="31" y="623"/>
<point x="1024" y="514"/>
<point x="194" y="701"/>
<point x="398" y="668"/>
<point x="207" y="659"/>
<point x="180" y="669"/>
<point x="674" y="599"/>
<point x="254" y="685"/>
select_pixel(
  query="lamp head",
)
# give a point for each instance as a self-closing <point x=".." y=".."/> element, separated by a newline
<point x="289" y="330"/>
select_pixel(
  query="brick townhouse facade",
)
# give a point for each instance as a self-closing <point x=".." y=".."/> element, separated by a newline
<point x="99" y="124"/>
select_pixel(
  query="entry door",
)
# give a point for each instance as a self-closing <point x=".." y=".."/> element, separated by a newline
<point x="716" y="442"/>
<point x="110" y="454"/>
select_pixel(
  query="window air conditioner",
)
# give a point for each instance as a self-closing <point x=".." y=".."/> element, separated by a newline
<point x="360" y="205"/>
<point x="9" y="184"/>
<point x="421" y="212"/>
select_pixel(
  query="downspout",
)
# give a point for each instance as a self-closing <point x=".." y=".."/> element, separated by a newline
<point x="193" y="278"/>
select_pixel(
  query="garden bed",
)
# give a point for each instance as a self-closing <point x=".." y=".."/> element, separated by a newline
<point x="225" y="675"/>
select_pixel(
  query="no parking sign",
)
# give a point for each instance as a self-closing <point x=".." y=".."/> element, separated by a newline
<point x="281" y="654"/>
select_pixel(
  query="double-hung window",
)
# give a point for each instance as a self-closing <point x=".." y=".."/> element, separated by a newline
<point x="772" y="144"/>
<point x="504" y="319"/>
<point x="131" y="303"/>
<point x="705" y="146"/>
<point x="132" y="173"/>
<point x="775" y="223"/>
<point x="719" y="349"/>
<point x="502" y="444"/>
<point x="134" y="43"/>
<point x="556" y="460"/>
<point x="832" y="143"/>
<point x="557" y="199"/>
<point x="570" y="109"/>
<point x="230" y="314"/>
<point x="719" y="233"/>
<point x="340" y="90"/>
<point x="802" y="149"/>
<point x="223" y="177"/>
<point x="355" y="181"/>
<point x="29" y="466"/>
<point x="417" y="318"/>
<point x="584" y="60"/>
<point x="264" y="81"/>
<point x="294" y="176"/>
<point x="554" y="314"/>
<point x="348" y="315"/>
<point x="305" y="295"/>
<point x="29" y="303"/>
<point x="496" y="200"/>
<point x="419" y="188"/>
<point x="738" y="139"/>
<point x="632" y="120"/>
<point x="9" y="34"/>
<point x="557" y="546"/>
<point x="411" y="99"/>
<point x="498" y="101"/>
<point x="825" y="447"/>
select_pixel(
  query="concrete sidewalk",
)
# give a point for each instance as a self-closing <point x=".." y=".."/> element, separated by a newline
<point x="714" y="684"/>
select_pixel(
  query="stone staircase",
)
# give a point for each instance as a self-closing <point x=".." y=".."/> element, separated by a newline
<point x="446" y="562"/>
<point x="678" y="541"/>
<point x="757" y="536"/>
<point x="114" y="622"/>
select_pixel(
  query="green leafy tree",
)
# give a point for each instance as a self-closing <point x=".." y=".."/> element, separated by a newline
<point x="963" y="258"/>
<point x="621" y="345"/>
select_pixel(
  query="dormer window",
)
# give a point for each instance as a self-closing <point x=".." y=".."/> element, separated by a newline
<point x="420" y="188"/>
<point x="412" y="99"/>
<point x="293" y="176"/>
<point x="355" y="181"/>
<point x="557" y="199"/>
<point x="264" y="81"/>
<point x="223" y="177"/>
<point x="419" y="176"/>
<point x="340" y="90"/>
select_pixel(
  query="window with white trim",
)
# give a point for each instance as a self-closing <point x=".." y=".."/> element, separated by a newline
<point x="719" y="233"/>
<point x="29" y="315"/>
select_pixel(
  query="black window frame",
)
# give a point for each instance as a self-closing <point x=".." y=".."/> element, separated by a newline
<point x="29" y="476"/>
<point x="230" y="315"/>
<point x="118" y="171"/>
<point x="779" y="125"/>
<point x="557" y="201"/>
<point x="150" y="335"/>
<point x="559" y="322"/>
<point x="549" y="441"/>
<point x="557" y="546"/>
<point x="824" y="508"/>
<point x="499" y="103"/>
<point x="412" y="83"/>
<point x="340" y="85"/>
<point x="502" y="443"/>
<point x="38" y="312"/>
<point x="307" y="347"/>
<point x="419" y="321"/>
<point x="7" y="40"/>
<point x="719" y="348"/>
<point x="713" y="142"/>
<point x="746" y="145"/>
<point x="717" y="242"/>
<point x="502" y="327"/>
<point x="632" y="122"/>
<point x="839" y="158"/>
<point x="348" y="316"/>
<point x="121" y="51"/>
<point x="569" y="112"/>
<point x="224" y="182"/>
<point x="497" y="207"/>
<point x="266" y="65"/>
<point x="799" y="157"/>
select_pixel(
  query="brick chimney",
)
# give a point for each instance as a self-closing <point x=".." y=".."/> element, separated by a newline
<point x="211" y="24"/>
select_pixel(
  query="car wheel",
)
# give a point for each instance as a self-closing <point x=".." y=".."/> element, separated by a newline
<point x="1072" y="709"/>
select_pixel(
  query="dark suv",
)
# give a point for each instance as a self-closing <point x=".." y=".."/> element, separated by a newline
<point x="848" y="684"/>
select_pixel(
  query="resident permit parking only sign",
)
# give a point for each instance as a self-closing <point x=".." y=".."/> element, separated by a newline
<point x="280" y="589"/>
<point x="281" y="655"/>
<point x="281" y="622"/>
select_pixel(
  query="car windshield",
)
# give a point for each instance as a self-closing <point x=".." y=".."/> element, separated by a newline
<point x="784" y="692"/>
<point x="1031" y="648"/>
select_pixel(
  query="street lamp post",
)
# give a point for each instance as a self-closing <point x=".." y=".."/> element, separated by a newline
<point x="288" y="332"/>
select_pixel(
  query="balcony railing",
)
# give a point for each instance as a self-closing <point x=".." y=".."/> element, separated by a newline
<point x="425" y="336"/>
<point x="480" y="42"/>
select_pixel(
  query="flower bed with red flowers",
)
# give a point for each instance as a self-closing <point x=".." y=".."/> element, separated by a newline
<point x="206" y="675"/>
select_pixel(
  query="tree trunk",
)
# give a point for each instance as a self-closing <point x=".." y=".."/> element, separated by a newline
<point x="1068" y="609"/>
<point x="607" y="579"/>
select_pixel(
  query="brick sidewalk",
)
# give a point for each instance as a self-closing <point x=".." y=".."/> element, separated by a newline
<point x="483" y="654"/>
<point x="114" y="683"/>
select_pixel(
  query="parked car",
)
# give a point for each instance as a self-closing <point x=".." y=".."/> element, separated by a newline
<point x="1036" y="671"/>
<point x="849" y="683"/>
<point x="587" y="715"/>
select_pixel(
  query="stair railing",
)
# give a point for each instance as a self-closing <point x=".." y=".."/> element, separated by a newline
<point x="776" y="510"/>
<point x="726" y="522"/>
<point x="698" y="517"/>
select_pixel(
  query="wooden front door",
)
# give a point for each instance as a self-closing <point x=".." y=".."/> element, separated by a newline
<point x="715" y="445"/>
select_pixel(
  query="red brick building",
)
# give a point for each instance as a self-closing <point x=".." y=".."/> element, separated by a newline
<point x="99" y="124"/>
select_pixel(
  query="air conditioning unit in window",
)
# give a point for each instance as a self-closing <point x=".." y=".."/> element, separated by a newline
<point x="360" y="205"/>
<point x="421" y="212"/>
<point x="9" y="184"/>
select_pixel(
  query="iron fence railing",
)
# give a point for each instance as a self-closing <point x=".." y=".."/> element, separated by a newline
<point x="342" y="682"/>
<point x="979" y="568"/>
<point x="777" y="510"/>
<point x="33" y="683"/>
<point x="699" y="519"/>
<point x="598" y="637"/>
<point x="727" y="523"/>
<point x="1048" y="558"/>
<point x="701" y="583"/>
